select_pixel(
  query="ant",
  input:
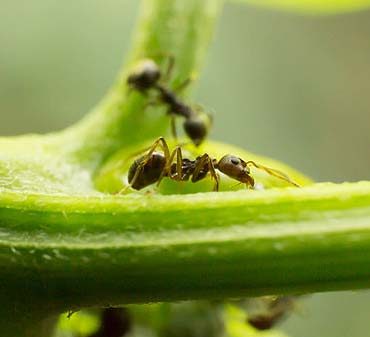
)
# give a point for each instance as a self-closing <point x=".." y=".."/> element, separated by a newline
<point x="276" y="310"/>
<point x="115" y="322"/>
<point x="154" y="166"/>
<point x="147" y="75"/>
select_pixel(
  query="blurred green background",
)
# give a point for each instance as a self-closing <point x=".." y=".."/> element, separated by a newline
<point x="292" y="87"/>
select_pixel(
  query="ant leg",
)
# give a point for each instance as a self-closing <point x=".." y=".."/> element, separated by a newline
<point x="273" y="172"/>
<point x="163" y="144"/>
<point x="182" y="86"/>
<point x="214" y="174"/>
<point x="159" y="141"/>
<point x="171" y="64"/>
<point x="136" y="175"/>
<point x="238" y="184"/>
<point x="178" y="163"/>
<point x="200" y="165"/>
<point x="167" y="75"/>
<point x="167" y="170"/>
<point x="250" y="182"/>
<point x="205" y="162"/>
<point x="173" y="126"/>
<point x="178" y="153"/>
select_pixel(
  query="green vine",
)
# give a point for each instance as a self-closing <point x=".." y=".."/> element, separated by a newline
<point x="66" y="245"/>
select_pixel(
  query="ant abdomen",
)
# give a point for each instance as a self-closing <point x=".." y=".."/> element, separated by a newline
<point x="146" y="170"/>
<point x="197" y="126"/>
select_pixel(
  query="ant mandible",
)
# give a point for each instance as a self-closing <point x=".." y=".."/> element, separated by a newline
<point x="153" y="166"/>
<point x="147" y="75"/>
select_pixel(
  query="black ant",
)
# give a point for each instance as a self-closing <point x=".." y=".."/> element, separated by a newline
<point x="115" y="322"/>
<point x="153" y="166"/>
<point x="276" y="310"/>
<point x="147" y="75"/>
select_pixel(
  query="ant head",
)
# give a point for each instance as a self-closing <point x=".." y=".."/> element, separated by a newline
<point x="146" y="171"/>
<point x="144" y="76"/>
<point x="197" y="127"/>
<point x="235" y="168"/>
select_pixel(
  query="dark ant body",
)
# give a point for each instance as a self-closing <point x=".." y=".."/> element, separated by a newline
<point x="153" y="166"/>
<point x="277" y="309"/>
<point x="148" y="76"/>
<point x="115" y="322"/>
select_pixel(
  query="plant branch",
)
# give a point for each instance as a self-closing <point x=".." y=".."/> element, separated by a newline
<point x="166" y="28"/>
<point x="65" y="162"/>
<point x="64" y="245"/>
<point x="210" y="245"/>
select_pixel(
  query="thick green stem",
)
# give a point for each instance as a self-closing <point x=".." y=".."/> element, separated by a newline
<point x="166" y="28"/>
<point x="22" y="319"/>
<point x="65" y="163"/>
<point x="210" y="245"/>
<point x="64" y="245"/>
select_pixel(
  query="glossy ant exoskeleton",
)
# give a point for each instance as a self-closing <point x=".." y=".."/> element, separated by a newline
<point x="153" y="166"/>
<point x="147" y="76"/>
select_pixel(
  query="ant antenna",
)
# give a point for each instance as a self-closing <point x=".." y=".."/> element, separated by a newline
<point x="273" y="172"/>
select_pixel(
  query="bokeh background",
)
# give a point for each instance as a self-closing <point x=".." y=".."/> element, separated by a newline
<point x="293" y="87"/>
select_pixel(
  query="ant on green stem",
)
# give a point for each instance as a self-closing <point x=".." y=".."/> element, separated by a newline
<point x="147" y="75"/>
<point x="153" y="166"/>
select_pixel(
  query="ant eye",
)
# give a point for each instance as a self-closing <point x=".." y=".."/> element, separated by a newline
<point x="235" y="161"/>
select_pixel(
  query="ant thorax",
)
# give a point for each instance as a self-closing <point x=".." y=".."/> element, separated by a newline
<point x="175" y="105"/>
<point x="187" y="168"/>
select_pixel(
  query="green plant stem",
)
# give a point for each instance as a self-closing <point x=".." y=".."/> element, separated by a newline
<point x="64" y="245"/>
<point x="210" y="245"/>
<point x="65" y="162"/>
<point x="166" y="28"/>
<point x="20" y="321"/>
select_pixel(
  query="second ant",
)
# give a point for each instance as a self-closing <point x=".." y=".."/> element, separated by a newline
<point x="148" y="76"/>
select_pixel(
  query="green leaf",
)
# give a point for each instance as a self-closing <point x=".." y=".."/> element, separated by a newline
<point x="312" y="6"/>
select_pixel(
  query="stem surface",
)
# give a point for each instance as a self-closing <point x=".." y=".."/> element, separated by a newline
<point x="60" y="167"/>
<point x="166" y="28"/>
<point x="208" y="245"/>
